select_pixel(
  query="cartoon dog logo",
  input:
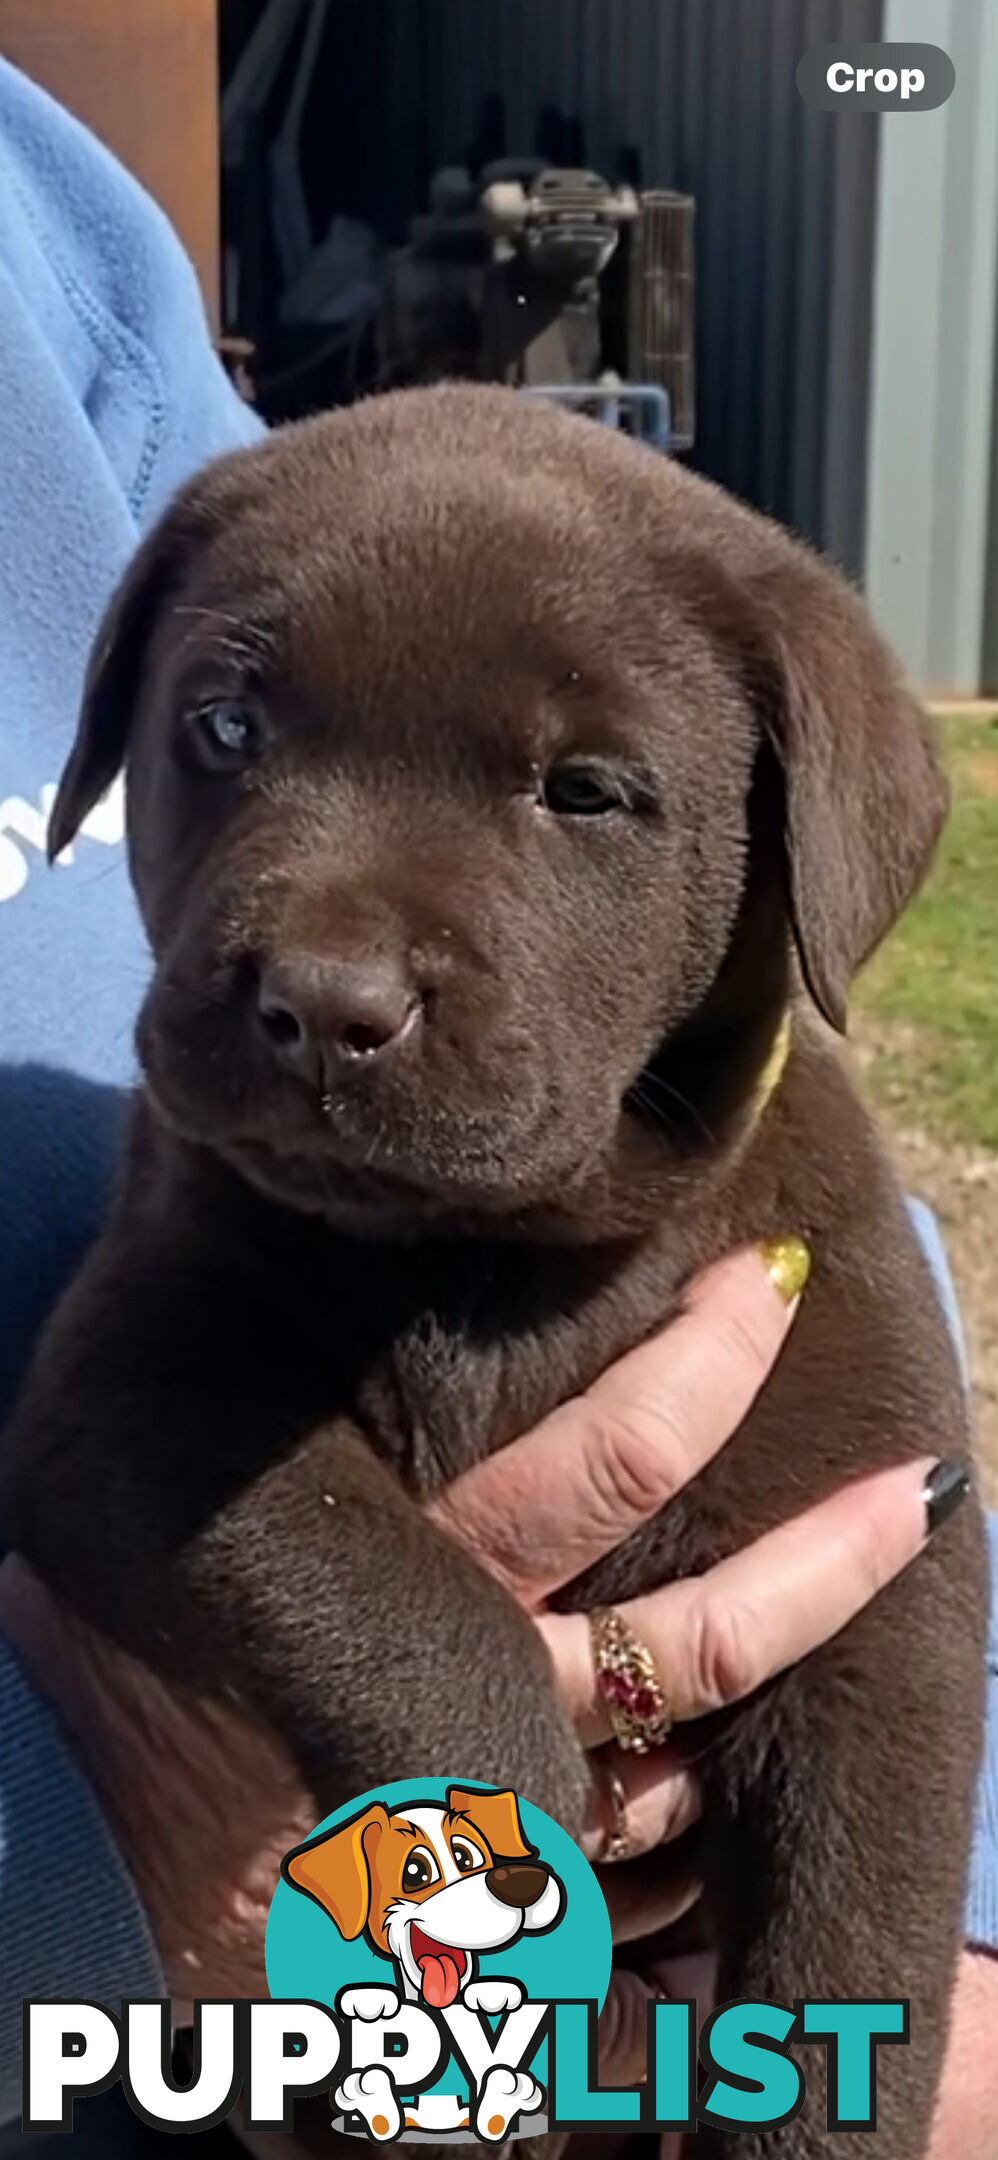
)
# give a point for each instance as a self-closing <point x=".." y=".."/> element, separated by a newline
<point x="434" y="1890"/>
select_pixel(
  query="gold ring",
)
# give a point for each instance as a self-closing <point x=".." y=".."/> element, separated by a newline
<point x="627" y="1683"/>
<point x="616" y="1837"/>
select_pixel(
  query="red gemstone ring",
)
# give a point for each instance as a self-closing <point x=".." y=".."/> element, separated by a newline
<point x="627" y="1683"/>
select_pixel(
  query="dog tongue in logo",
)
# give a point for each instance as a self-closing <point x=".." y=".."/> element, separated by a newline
<point x="441" y="1969"/>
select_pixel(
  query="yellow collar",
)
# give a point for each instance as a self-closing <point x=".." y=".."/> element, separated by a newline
<point x="773" y="1070"/>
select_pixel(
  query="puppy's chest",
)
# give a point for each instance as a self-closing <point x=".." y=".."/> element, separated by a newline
<point x="434" y="1403"/>
<point x="483" y="1362"/>
<point x="444" y="1398"/>
<point x="481" y="1345"/>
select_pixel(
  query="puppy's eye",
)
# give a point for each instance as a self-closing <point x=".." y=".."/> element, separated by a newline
<point x="581" y="791"/>
<point x="229" y="730"/>
<point x="418" y="1870"/>
<point x="466" y="1856"/>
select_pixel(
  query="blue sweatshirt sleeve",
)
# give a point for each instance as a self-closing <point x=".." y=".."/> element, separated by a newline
<point x="70" y="1920"/>
<point x="110" y="396"/>
<point x="982" y="1890"/>
<point x="982" y="1897"/>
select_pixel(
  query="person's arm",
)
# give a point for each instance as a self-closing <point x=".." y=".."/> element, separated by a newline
<point x="70" y="1918"/>
<point x="205" y="1804"/>
<point x="982" y="1900"/>
<point x="112" y="396"/>
<point x="982" y="1895"/>
<point x="102" y="297"/>
<point x="967" y="2114"/>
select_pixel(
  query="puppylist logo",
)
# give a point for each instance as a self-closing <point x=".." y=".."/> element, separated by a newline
<point x="438" y="1957"/>
<point x="440" y="1923"/>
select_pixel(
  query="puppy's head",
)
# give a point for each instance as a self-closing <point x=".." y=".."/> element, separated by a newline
<point x="489" y="781"/>
<point x="431" y="1887"/>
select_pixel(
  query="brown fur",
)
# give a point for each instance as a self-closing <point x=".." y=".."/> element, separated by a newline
<point x="435" y="597"/>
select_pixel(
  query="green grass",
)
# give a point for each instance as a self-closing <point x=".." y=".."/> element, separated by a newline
<point x="928" y="1002"/>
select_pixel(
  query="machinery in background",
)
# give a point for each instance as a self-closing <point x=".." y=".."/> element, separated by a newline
<point x="556" y="281"/>
<point x="533" y="271"/>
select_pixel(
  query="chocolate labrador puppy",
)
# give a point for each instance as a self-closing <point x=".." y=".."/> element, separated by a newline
<point x="495" y="791"/>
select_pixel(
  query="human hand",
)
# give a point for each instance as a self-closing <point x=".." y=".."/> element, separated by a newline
<point x="205" y="1804"/>
<point x="593" y="1473"/>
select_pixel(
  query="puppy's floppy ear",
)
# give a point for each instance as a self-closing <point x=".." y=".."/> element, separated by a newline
<point x="865" y="797"/>
<point x="335" y="1869"/>
<point x="496" y="1815"/>
<point x="114" y="673"/>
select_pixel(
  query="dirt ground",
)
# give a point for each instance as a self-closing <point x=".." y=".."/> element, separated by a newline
<point x="961" y="1184"/>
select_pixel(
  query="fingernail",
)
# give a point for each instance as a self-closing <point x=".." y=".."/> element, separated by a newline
<point x="787" y="1262"/>
<point x="944" y="1488"/>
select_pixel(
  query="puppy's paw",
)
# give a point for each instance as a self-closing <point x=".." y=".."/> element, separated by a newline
<point x="439" y="2114"/>
<point x="505" y="2095"/>
<point x="371" y="2094"/>
<point x="368" y="2003"/>
<point x="493" y="1996"/>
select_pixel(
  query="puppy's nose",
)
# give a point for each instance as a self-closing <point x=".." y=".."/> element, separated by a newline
<point x="517" y="1884"/>
<point x="317" y="1011"/>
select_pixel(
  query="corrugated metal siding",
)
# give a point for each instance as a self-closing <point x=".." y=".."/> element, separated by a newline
<point x="705" y="90"/>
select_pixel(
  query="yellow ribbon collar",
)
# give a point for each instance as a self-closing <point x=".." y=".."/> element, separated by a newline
<point x="773" y="1070"/>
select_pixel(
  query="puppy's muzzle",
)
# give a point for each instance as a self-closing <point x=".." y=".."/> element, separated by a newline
<point x="321" y="1015"/>
<point x="517" y="1884"/>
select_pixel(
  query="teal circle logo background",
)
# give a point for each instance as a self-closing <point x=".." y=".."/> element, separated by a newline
<point x="307" y="1958"/>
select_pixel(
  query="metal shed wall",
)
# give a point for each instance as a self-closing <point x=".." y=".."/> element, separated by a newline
<point x="785" y="201"/>
<point x="932" y="532"/>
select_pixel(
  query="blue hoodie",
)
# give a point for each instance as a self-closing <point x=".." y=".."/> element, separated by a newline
<point x="109" y="397"/>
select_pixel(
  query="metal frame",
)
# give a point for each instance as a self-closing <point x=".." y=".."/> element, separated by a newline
<point x="609" y="402"/>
